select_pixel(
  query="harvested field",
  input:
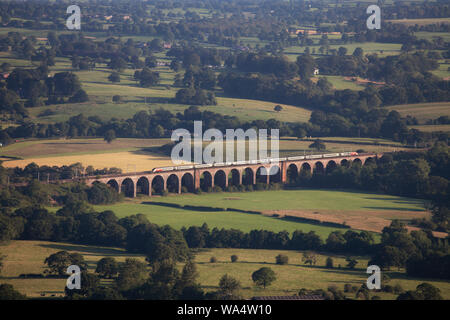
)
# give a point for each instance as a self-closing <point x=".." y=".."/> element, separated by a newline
<point x="373" y="221"/>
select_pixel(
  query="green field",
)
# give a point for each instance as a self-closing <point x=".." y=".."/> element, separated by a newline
<point x="299" y="199"/>
<point x="432" y="128"/>
<point x="28" y="257"/>
<point x="295" y="275"/>
<point x="178" y="218"/>
<point x="423" y="111"/>
<point x="135" y="98"/>
<point x="339" y="83"/>
<point x="364" y="209"/>
<point x="382" y="49"/>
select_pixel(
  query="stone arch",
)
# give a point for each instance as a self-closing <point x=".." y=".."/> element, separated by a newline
<point x="319" y="168"/>
<point x="113" y="184"/>
<point x="261" y="175"/>
<point x="248" y="176"/>
<point x="158" y="185"/>
<point x="345" y="163"/>
<point x="234" y="178"/>
<point x="331" y="165"/>
<point x="305" y="168"/>
<point x="357" y="162"/>
<point x="220" y="179"/>
<point x="206" y="181"/>
<point x="187" y="181"/>
<point x="370" y="161"/>
<point x="274" y="174"/>
<point x="127" y="188"/>
<point x="143" y="186"/>
<point x="292" y="173"/>
<point x="173" y="183"/>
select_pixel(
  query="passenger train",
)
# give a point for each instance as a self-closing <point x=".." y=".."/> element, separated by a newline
<point x="260" y="161"/>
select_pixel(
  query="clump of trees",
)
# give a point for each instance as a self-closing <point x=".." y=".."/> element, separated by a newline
<point x="195" y="96"/>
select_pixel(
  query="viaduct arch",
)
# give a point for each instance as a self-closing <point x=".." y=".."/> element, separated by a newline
<point x="188" y="180"/>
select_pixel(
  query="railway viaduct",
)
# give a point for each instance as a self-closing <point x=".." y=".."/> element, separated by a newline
<point x="149" y="183"/>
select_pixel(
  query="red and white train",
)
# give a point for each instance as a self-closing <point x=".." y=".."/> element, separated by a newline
<point x="260" y="161"/>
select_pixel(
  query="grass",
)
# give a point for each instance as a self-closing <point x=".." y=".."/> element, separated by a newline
<point x="443" y="70"/>
<point x="135" y="98"/>
<point x="339" y="83"/>
<point x="423" y="111"/>
<point x="24" y="257"/>
<point x="378" y="141"/>
<point x="432" y="128"/>
<point x="382" y="49"/>
<point x="29" y="256"/>
<point x="362" y="211"/>
<point x="295" y="275"/>
<point x="300" y="199"/>
<point x="420" y="22"/>
<point x="178" y="218"/>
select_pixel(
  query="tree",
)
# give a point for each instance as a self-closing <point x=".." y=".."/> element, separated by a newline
<point x="189" y="274"/>
<point x="428" y="291"/>
<point x="60" y="261"/>
<point x="229" y="288"/>
<point x="107" y="267"/>
<point x="7" y="292"/>
<point x="351" y="262"/>
<point x="1" y="262"/>
<point x="278" y="108"/>
<point x="146" y="77"/>
<point x="118" y="64"/>
<point x="89" y="284"/>
<point x="110" y="135"/>
<point x="329" y="263"/>
<point x="234" y="258"/>
<point x="114" y="77"/>
<point x="132" y="274"/>
<point x="309" y="258"/>
<point x="263" y="277"/>
<point x="318" y="145"/>
<point x="358" y="52"/>
<point x="342" y="51"/>
<point x="79" y="96"/>
<point x="281" y="259"/>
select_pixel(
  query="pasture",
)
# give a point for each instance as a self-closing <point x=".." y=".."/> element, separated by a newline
<point x="134" y="98"/>
<point x="423" y="111"/>
<point x="28" y="257"/>
<point x="309" y="199"/>
<point x="361" y="211"/>
<point x="432" y="128"/>
<point x="420" y="22"/>
<point x="179" y="218"/>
